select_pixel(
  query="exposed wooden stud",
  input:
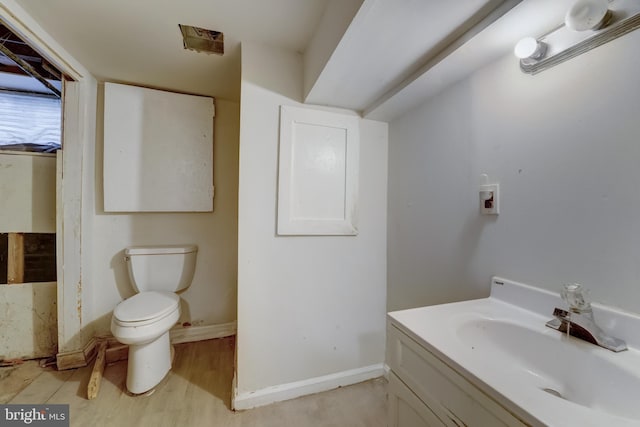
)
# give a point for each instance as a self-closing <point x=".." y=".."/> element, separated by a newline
<point x="15" y="261"/>
<point x="27" y="68"/>
<point x="98" y="368"/>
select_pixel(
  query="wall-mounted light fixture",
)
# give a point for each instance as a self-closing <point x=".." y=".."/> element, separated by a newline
<point x="588" y="24"/>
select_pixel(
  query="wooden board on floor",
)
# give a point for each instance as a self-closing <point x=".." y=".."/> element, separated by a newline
<point x="96" y="374"/>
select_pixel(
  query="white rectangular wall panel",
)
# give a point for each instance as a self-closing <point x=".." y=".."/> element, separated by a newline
<point x="158" y="150"/>
<point x="318" y="174"/>
<point x="27" y="192"/>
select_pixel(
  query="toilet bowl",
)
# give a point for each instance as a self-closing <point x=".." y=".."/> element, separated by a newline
<point x="144" y="320"/>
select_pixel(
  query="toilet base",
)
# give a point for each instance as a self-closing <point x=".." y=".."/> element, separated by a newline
<point x="148" y="364"/>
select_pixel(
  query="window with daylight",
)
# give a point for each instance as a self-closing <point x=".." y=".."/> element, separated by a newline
<point x="29" y="122"/>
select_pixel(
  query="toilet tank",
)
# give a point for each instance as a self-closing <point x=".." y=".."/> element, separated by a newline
<point x="161" y="268"/>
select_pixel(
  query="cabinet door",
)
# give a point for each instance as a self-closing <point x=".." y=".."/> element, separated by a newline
<point x="449" y="395"/>
<point x="405" y="409"/>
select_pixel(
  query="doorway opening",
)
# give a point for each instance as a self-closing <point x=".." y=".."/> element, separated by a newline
<point x="30" y="136"/>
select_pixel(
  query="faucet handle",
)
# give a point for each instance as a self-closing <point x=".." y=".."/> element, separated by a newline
<point x="576" y="296"/>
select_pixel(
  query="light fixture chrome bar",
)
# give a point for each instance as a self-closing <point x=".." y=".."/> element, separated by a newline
<point x="27" y="68"/>
<point x="565" y="43"/>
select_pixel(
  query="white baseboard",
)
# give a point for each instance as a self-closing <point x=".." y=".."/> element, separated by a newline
<point x="387" y="369"/>
<point x="180" y="334"/>
<point x="302" y="388"/>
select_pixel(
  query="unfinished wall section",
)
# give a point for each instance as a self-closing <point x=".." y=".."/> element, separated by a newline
<point x="28" y="319"/>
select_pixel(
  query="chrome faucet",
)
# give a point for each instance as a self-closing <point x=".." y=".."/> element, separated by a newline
<point x="579" y="321"/>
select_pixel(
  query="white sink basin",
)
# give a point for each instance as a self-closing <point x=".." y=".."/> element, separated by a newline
<point x="548" y="360"/>
<point x="541" y="375"/>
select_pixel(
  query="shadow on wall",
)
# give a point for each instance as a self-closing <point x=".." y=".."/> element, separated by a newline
<point x="121" y="275"/>
<point x="264" y="68"/>
<point x="467" y="245"/>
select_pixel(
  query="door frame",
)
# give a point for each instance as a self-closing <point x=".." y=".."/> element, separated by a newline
<point x="75" y="182"/>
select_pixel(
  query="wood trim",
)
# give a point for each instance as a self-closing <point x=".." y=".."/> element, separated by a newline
<point x="116" y="351"/>
<point x="77" y="358"/>
<point x="69" y="228"/>
<point x="28" y="30"/>
<point x="15" y="261"/>
<point x="180" y="334"/>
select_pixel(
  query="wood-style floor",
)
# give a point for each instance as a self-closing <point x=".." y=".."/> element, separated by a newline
<point x="196" y="393"/>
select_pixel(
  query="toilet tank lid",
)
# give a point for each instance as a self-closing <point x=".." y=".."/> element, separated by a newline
<point x="160" y="250"/>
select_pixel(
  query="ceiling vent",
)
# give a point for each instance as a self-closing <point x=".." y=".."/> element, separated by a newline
<point x="202" y="40"/>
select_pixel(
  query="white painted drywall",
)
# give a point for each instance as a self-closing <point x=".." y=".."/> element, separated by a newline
<point x="211" y="298"/>
<point x="27" y="192"/>
<point x="336" y="18"/>
<point x="307" y="306"/>
<point x="563" y="145"/>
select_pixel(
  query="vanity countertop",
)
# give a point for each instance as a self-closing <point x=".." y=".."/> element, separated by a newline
<point x="503" y="347"/>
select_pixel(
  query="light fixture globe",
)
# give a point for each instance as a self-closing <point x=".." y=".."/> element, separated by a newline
<point x="529" y="47"/>
<point x="587" y="15"/>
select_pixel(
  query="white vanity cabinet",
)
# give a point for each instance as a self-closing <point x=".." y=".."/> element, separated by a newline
<point x="425" y="391"/>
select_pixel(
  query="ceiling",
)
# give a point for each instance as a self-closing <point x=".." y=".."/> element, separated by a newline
<point x="384" y="44"/>
<point x="139" y="41"/>
<point x="380" y="57"/>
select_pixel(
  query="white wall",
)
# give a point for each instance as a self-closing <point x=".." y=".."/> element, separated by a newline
<point x="337" y="17"/>
<point x="563" y="145"/>
<point x="211" y="299"/>
<point x="307" y="306"/>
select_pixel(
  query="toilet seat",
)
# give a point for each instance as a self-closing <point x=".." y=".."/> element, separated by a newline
<point x="145" y="308"/>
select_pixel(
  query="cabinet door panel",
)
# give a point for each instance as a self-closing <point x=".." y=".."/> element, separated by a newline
<point x="450" y="396"/>
<point x="405" y="409"/>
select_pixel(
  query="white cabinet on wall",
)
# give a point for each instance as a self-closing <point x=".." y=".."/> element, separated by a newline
<point x="158" y="150"/>
<point x="318" y="172"/>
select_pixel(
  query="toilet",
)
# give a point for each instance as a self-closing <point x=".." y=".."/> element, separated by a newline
<point x="144" y="320"/>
